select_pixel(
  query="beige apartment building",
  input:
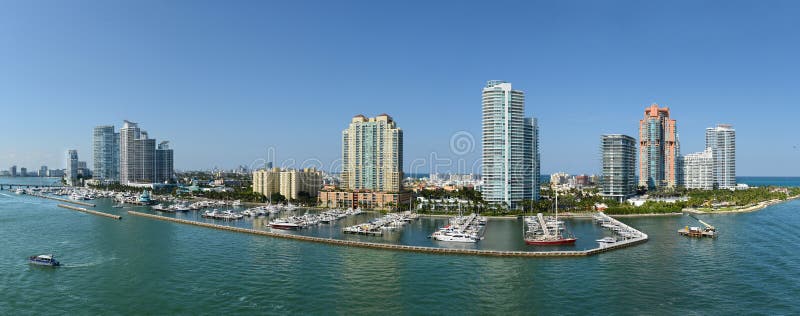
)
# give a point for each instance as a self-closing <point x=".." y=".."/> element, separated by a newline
<point x="372" y="154"/>
<point x="288" y="183"/>
<point x="293" y="182"/>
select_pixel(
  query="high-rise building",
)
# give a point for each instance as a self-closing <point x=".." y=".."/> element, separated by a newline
<point x="83" y="170"/>
<point x="23" y="172"/>
<point x="292" y="182"/>
<point x="267" y="181"/>
<point x="137" y="156"/>
<point x="372" y="154"/>
<point x="71" y="173"/>
<point x="510" y="146"/>
<point x="43" y="171"/>
<point x="698" y="170"/>
<point x="145" y="158"/>
<point x="12" y="171"/>
<point x="164" y="163"/>
<point x="106" y="150"/>
<point x="722" y="142"/>
<point x="619" y="166"/>
<point x="559" y="178"/>
<point x="531" y="143"/>
<point x="127" y="161"/>
<point x="659" y="149"/>
<point x="55" y="173"/>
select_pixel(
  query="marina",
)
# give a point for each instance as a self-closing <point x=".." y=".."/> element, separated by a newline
<point x="93" y="247"/>
<point x="308" y="219"/>
<point x="376" y="227"/>
<point x="621" y="231"/>
<point x="406" y="248"/>
<point x="464" y="229"/>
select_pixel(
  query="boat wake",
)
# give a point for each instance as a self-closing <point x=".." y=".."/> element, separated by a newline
<point x="88" y="264"/>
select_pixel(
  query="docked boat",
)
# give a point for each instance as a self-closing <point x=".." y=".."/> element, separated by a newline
<point x="454" y="236"/>
<point x="19" y="191"/>
<point x="284" y="224"/>
<point x="607" y="240"/>
<point x="548" y="233"/>
<point x="44" y="260"/>
<point x="144" y="198"/>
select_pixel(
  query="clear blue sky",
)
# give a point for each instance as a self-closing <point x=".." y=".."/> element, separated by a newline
<point x="225" y="80"/>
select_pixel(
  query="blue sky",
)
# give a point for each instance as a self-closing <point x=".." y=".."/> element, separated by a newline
<point x="224" y="81"/>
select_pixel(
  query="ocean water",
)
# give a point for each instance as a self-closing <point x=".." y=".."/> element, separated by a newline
<point x="144" y="266"/>
<point x="765" y="181"/>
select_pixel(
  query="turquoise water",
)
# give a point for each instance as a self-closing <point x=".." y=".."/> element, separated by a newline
<point x="143" y="266"/>
<point x="765" y="181"/>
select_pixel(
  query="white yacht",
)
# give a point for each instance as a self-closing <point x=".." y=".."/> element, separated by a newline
<point x="449" y="235"/>
<point x="607" y="240"/>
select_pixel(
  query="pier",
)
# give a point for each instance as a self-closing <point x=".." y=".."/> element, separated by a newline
<point x="80" y="209"/>
<point x="629" y="234"/>
<point x="420" y="249"/>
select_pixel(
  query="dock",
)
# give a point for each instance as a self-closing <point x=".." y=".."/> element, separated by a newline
<point x="622" y="230"/>
<point x="80" y="209"/>
<point x="406" y="248"/>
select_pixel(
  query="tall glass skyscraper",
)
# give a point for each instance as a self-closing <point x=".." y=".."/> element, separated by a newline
<point x="659" y="149"/>
<point x="619" y="166"/>
<point x="72" y="167"/>
<point x="164" y="162"/>
<point x="127" y="139"/>
<point x="510" y="146"/>
<point x="722" y="142"/>
<point x="106" y="153"/>
<point x="137" y="156"/>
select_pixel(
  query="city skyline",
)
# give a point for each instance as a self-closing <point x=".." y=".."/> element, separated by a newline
<point x="257" y="89"/>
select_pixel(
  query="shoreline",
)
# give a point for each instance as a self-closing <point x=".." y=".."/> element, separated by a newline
<point x="744" y="209"/>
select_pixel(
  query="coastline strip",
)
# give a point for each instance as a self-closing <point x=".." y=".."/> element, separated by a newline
<point x="80" y="209"/>
<point x="433" y="250"/>
<point x="63" y="200"/>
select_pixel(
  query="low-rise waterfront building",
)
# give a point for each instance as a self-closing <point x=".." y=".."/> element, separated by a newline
<point x="363" y="199"/>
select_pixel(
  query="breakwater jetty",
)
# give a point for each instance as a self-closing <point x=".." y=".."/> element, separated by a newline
<point x="80" y="209"/>
<point x="63" y="200"/>
<point x="407" y="248"/>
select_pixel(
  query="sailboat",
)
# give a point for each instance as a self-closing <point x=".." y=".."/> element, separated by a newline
<point x="550" y="236"/>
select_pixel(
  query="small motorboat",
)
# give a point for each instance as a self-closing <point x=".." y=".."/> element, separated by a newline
<point x="44" y="260"/>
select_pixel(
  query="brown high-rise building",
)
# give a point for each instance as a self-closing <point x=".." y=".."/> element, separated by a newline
<point x="659" y="149"/>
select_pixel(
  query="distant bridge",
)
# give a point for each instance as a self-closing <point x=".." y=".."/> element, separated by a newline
<point x="11" y="186"/>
